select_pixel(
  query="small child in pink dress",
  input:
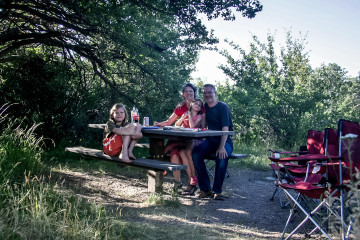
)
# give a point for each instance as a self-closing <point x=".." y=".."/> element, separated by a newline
<point x="190" y="119"/>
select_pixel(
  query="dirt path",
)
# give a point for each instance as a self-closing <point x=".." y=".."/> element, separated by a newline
<point x="245" y="212"/>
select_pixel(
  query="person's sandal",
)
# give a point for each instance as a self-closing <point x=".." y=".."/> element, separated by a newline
<point x="190" y="190"/>
<point x="177" y="186"/>
<point x="207" y="194"/>
<point x="218" y="197"/>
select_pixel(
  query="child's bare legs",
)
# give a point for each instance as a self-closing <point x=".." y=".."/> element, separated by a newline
<point x="137" y="128"/>
<point x="185" y="161"/>
<point x="129" y="142"/>
<point x="186" y="157"/>
<point x="191" y="164"/>
<point x="189" y="149"/>
<point x="124" y="155"/>
<point x="176" y="159"/>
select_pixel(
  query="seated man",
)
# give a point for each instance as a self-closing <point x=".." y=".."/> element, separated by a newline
<point x="218" y="117"/>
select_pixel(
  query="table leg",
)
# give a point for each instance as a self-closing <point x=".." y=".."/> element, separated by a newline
<point x="157" y="148"/>
<point x="156" y="178"/>
<point x="155" y="181"/>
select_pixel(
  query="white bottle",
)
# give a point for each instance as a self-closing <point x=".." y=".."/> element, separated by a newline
<point x="137" y="116"/>
<point x="133" y="114"/>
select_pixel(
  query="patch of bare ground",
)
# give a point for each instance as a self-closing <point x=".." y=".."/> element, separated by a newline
<point x="246" y="212"/>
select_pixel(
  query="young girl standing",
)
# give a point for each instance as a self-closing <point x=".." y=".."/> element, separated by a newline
<point x="120" y="136"/>
<point x="190" y="119"/>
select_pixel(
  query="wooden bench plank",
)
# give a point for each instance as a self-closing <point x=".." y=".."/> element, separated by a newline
<point x="142" y="145"/>
<point x="140" y="162"/>
<point x="99" y="126"/>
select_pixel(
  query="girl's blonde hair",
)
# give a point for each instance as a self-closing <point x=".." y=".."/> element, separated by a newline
<point x="202" y="104"/>
<point x="116" y="107"/>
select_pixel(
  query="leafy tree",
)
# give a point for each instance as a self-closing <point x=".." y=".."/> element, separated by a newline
<point x="335" y="97"/>
<point x="132" y="51"/>
<point x="136" y="35"/>
<point x="282" y="97"/>
<point x="271" y="91"/>
<point x="47" y="91"/>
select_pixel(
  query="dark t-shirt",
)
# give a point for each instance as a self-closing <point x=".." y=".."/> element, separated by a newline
<point x="110" y="125"/>
<point x="218" y="117"/>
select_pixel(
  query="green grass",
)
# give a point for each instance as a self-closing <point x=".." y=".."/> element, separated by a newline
<point x="257" y="156"/>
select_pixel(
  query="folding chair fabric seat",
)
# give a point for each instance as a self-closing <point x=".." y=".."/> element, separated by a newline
<point x="312" y="179"/>
<point x="307" y="189"/>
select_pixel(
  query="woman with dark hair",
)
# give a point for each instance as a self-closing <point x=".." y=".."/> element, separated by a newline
<point x="189" y="93"/>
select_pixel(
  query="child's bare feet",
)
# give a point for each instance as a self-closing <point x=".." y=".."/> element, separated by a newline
<point x="131" y="156"/>
<point x="124" y="158"/>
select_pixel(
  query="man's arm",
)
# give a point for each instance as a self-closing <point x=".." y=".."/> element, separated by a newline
<point x="221" y="152"/>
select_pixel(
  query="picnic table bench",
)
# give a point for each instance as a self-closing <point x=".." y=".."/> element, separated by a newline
<point x="153" y="166"/>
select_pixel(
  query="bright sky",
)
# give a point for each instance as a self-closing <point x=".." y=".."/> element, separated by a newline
<point x="332" y="28"/>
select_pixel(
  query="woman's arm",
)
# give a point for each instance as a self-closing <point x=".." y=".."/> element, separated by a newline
<point x="168" y="122"/>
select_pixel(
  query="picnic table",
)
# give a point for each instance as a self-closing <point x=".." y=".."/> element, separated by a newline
<point x="157" y="137"/>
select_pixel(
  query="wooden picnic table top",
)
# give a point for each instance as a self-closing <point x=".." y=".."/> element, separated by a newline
<point x="183" y="133"/>
<point x="173" y="132"/>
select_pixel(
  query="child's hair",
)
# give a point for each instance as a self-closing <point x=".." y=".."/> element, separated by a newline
<point x="116" y="107"/>
<point x="198" y="100"/>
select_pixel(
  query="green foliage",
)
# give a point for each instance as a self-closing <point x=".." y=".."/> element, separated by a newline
<point x="280" y="98"/>
<point x="68" y="62"/>
<point x="47" y="90"/>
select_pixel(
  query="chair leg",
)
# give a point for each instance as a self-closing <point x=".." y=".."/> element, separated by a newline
<point x="273" y="196"/>
<point x="208" y="169"/>
<point x="283" y="203"/>
<point x="308" y="215"/>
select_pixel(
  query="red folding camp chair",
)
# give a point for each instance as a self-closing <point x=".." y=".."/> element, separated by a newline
<point x="315" y="145"/>
<point x="297" y="172"/>
<point x="340" y="171"/>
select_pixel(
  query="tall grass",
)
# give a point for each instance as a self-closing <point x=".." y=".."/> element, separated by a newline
<point x="20" y="151"/>
<point x="36" y="210"/>
<point x="31" y="207"/>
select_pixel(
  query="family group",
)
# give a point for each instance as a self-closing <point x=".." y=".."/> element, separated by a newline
<point x="192" y="112"/>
